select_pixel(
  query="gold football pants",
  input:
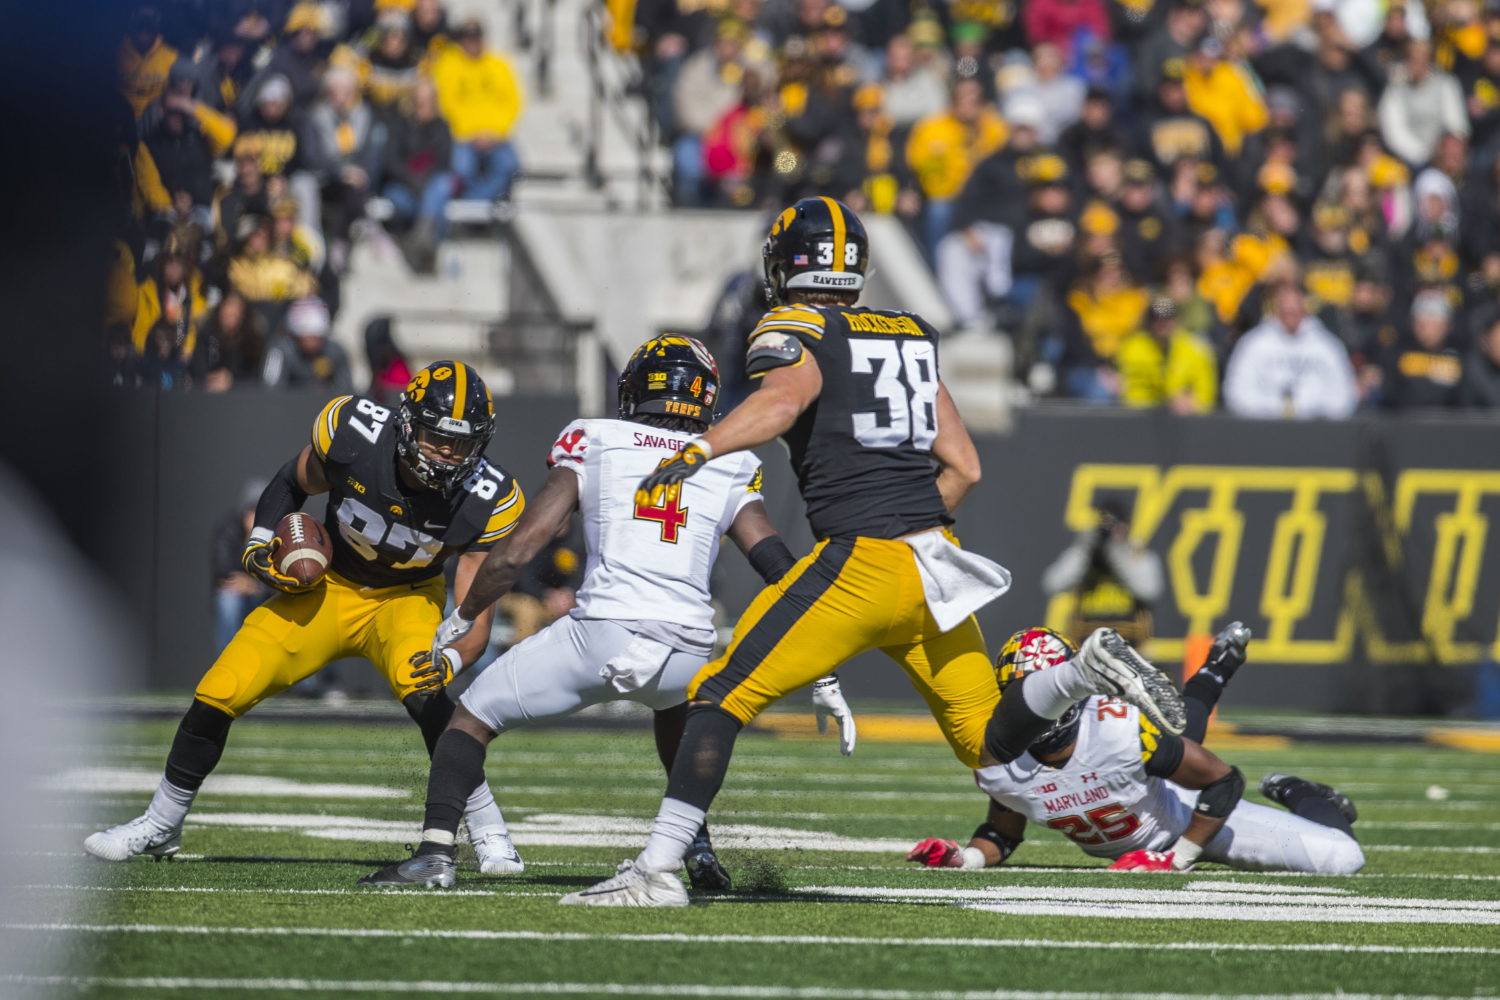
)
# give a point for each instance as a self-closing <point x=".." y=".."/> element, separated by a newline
<point x="848" y="596"/>
<point x="293" y="636"/>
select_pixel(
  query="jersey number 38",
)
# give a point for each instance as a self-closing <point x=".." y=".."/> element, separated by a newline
<point x="906" y="380"/>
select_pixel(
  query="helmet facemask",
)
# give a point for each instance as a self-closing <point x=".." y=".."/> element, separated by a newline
<point x="441" y="453"/>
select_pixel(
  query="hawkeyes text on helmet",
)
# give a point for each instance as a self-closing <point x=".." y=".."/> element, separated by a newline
<point x="816" y="245"/>
<point x="671" y="375"/>
<point x="446" y="420"/>
<point x="1026" y="652"/>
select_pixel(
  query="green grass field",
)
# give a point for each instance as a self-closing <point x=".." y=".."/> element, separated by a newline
<point x="263" y="903"/>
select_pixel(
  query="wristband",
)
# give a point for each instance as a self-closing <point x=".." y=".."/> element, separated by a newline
<point x="1184" y="853"/>
<point x="973" y="858"/>
<point x="260" y="534"/>
<point x="455" y="660"/>
<point x="703" y="446"/>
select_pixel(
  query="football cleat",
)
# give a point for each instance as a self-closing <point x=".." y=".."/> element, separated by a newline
<point x="632" y="887"/>
<point x="1115" y="669"/>
<point x="936" y="853"/>
<point x="430" y="870"/>
<point x="497" y="855"/>
<point x="1276" y="786"/>
<point x="142" y="835"/>
<point x="1144" y="861"/>
<point x="703" y="868"/>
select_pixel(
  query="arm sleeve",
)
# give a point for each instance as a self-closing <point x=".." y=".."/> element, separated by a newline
<point x="1160" y="752"/>
<point x="281" y="497"/>
<point x="1068" y="569"/>
<point x="219" y="129"/>
<point x="1138" y="569"/>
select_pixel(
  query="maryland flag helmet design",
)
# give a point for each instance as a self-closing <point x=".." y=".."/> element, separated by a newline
<point x="672" y="375"/>
<point x="1028" y="651"/>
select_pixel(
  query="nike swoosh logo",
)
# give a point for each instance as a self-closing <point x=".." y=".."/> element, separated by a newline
<point x="433" y="527"/>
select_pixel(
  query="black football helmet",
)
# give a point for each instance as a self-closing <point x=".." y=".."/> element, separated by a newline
<point x="816" y="245"/>
<point x="672" y="375"/>
<point x="446" y="420"/>
<point x="1026" y="652"/>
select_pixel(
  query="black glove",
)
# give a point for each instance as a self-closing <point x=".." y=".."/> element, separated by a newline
<point x="674" y="470"/>
<point x="259" y="560"/>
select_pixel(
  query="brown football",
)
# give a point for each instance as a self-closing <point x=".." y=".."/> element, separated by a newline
<point x="305" y="551"/>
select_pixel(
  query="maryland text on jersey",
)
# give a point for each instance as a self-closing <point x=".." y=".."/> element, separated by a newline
<point x="385" y="533"/>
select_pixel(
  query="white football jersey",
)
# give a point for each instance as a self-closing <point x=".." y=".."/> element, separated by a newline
<point x="650" y="563"/>
<point x="1102" y="799"/>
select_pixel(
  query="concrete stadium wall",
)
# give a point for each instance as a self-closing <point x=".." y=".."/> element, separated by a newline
<point x="1357" y="551"/>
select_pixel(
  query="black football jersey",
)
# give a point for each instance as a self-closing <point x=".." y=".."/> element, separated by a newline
<point x="383" y="533"/>
<point x="862" y="450"/>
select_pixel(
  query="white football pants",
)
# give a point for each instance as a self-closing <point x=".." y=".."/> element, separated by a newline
<point x="556" y="672"/>
<point x="1259" y="838"/>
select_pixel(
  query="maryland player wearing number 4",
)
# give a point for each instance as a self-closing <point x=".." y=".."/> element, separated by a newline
<point x="855" y="395"/>
<point x="643" y="626"/>
<point x="407" y="490"/>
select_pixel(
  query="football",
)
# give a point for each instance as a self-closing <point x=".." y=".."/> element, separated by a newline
<point x="305" y="550"/>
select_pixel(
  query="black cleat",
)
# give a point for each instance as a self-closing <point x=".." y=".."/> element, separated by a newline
<point x="703" y="868"/>
<point x="1227" y="653"/>
<point x="1276" y="786"/>
<point x="430" y="870"/>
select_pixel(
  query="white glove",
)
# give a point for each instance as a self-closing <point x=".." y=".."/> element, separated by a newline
<point x="454" y="628"/>
<point x="828" y="700"/>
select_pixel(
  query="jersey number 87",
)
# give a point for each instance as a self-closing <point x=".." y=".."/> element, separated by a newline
<point x="906" y="378"/>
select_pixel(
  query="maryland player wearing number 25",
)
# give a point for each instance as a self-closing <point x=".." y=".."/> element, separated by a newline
<point x="407" y="490"/>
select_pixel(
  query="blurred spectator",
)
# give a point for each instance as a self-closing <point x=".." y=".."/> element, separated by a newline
<point x="1149" y="232"/>
<point x="481" y="99"/>
<point x="344" y="149"/>
<point x="944" y="148"/>
<point x="1480" y="388"/>
<point x="292" y="240"/>
<point x="1045" y="248"/>
<point x="708" y="87"/>
<point x="236" y="593"/>
<point x="1102" y="309"/>
<point x="865" y="172"/>
<point x="185" y="139"/>
<point x="231" y="347"/>
<point x="144" y="59"/>
<point x="1424" y="369"/>
<point x="267" y="280"/>
<point x="223" y="73"/>
<point x="1222" y="93"/>
<point x="246" y="196"/>
<point x="1167" y="365"/>
<point x="1194" y="313"/>
<point x="1114" y="580"/>
<point x="1060" y="22"/>
<point x="389" y="370"/>
<point x="429" y="26"/>
<point x="122" y="365"/>
<point x="419" y="181"/>
<point x="1165" y="51"/>
<point x="1420" y="104"/>
<point x="171" y="298"/>
<point x="1060" y="95"/>
<point x="913" y="90"/>
<point x="296" y="58"/>
<point x="387" y="62"/>
<point x="1290" y="366"/>
<point x="120" y="287"/>
<point x="1481" y="85"/>
<point x="162" y="363"/>
<point x="304" y="357"/>
<point x="1094" y="130"/>
<point x="272" y="131"/>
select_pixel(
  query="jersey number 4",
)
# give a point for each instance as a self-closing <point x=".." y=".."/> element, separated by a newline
<point x="906" y="378"/>
<point x="1109" y="822"/>
<point x="670" y="516"/>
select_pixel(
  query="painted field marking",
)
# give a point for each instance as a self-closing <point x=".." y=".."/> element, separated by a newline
<point x="137" y="779"/>
<point x="368" y="893"/>
<point x="648" y="989"/>
<point x="757" y="939"/>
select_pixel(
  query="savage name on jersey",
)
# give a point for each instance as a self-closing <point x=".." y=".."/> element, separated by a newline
<point x="862" y="450"/>
<point x="1105" y="798"/>
<point x="385" y="534"/>
<point x="650" y="561"/>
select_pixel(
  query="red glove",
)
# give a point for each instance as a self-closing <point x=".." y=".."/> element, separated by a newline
<point x="1143" y="861"/>
<point x="935" y="853"/>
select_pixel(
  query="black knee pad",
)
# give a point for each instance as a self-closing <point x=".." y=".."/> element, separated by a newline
<point x="198" y="745"/>
<point x="431" y="713"/>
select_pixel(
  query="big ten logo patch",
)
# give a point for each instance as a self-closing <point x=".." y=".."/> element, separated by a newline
<point x="1431" y="525"/>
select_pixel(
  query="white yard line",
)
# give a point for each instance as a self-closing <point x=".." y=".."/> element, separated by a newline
<point x="369" y="893"/>
<point x="645" y="989"/>
<point x="754" y="939"/>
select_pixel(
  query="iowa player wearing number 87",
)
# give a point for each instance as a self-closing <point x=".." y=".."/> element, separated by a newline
<point x="407" y="490"/>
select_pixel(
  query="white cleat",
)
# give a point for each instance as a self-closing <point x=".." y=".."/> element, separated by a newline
<point x="142" y="835"/>
<point x="1117" y="670"/>
<point x="632" y="887"/>
<point x="497" y="855"/>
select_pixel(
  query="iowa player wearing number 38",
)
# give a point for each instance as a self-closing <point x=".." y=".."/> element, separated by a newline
<point x="407" y="490"/>
<point x="882" y="461"/>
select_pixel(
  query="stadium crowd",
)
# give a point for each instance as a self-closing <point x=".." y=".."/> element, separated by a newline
<point x="252" y="135"/>
<point x="1281" y="207"/>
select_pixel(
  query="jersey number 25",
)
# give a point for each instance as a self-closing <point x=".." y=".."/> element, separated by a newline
<point x="906" y="378"/>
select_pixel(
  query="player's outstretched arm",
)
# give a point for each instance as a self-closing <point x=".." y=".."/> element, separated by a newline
<point x="1220" y="787"/>
<point x="955" y="452"/>
<point x="996" y="840"/>
<point x="766" y="415"/>
<point x="287" y="491"/>
<point x="503" y="565"/>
